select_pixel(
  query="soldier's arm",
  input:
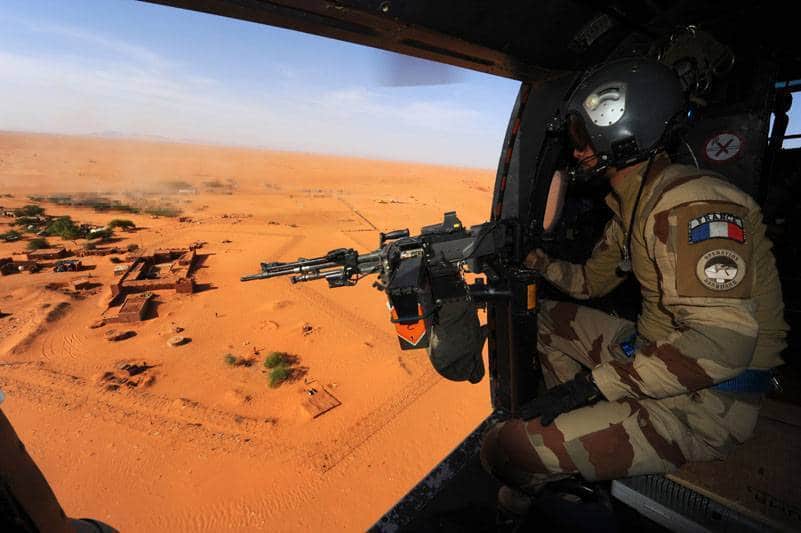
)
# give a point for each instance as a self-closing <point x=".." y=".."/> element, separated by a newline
<point x="705" y="283"/>
<point x="595" y="278"/>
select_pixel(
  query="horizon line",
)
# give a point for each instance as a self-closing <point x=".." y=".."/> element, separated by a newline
<point x="160" y="139"/>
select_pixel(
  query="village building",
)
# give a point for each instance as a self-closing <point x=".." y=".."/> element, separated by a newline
<point x="133" y="309"/>
<point x="46" y="254"/>
<point x="82" y="284"/>
<point x="163" y="269"/>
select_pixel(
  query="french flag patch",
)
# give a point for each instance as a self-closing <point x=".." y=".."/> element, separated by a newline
<point x="716" y="226"/>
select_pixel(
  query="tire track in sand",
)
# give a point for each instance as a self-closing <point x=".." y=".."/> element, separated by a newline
<point x="328" y="454"/>
<point x="140" y="410"/>
<point x="184" y="420"/>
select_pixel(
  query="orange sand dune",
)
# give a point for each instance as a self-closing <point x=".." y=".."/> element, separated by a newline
<point x="199" y="444"/>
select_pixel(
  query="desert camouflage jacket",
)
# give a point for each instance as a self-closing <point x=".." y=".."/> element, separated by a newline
<point x="712" y="303"/>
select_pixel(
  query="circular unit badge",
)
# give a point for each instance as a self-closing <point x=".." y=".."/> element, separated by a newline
<point x="723" y="146"/>
<point x="720" y="270"/>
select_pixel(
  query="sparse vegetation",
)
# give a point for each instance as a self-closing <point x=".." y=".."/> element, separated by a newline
<point x="38" y="244"/>
<point x="27" y="221"/>
<point x="65" y="228"/>
<point x="96" y="202"/>
<point x="275" y="359"/>
<point x="232" y="360"/>
<point x="132" y="247"/>
<point x="121" y="223"/>
<point x="281" y="366"/>
<point x="279" y="374"/>
<point x="163" y="210"/>
<point x="178" y="185"/>
<point x="29" y="211"/>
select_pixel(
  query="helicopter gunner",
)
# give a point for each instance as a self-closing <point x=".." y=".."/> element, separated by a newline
<point x="683" y="383"/>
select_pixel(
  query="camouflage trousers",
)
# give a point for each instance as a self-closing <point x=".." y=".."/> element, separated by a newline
<point x="610" y="440"/>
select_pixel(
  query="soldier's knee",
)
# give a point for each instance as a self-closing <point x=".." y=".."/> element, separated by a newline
<point x="556" y="318"/>
<point x="507" y="454"/>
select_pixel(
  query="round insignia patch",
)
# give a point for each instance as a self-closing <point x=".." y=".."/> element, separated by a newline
<point x="723" y="146"/>
<point x="720" y="270"/>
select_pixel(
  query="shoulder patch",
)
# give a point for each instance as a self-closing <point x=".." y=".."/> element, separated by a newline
<point x="720" y="270"/>
<point x="713" y="253"/>
<point x="715" y="225"/>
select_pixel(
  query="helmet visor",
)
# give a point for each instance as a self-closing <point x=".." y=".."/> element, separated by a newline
<point x="577" y="132"/>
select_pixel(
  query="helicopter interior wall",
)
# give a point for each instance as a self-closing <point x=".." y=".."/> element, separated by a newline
<point x="730" y="134"/>
<point x="544" y="100"/>
<point x="782" y="214"/>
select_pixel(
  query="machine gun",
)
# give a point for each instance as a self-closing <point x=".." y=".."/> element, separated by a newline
<point x="418" y="273"/>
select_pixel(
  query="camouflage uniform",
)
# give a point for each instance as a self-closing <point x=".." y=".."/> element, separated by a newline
<point x="712" y="308"/>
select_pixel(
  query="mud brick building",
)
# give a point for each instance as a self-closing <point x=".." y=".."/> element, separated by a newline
<point x="46" y="254"/>
<point x="134" y="308"/>
<point x="163" y="269"/>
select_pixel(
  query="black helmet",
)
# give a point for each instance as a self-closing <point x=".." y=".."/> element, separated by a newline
<point x="624" y="109"/>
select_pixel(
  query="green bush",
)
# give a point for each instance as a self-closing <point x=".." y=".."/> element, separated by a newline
<point x="38" y="244"/>
<point x="278" y="375"/>
<point x="29" y="211"/>
<point x="121" y="223"/>
<point x="65" y="228"/>
<point x="27" y="221"/>
<point x="274" y="359"/>
<point x="230" y="360"/>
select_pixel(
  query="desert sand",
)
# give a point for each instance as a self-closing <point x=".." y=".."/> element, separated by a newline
<point x="195" y="444"/>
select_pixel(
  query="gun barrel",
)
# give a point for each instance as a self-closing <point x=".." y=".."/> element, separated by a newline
<point x="316" y="268"/>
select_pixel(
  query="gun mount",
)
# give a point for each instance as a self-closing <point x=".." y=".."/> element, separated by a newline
<point x="417" y="273"/>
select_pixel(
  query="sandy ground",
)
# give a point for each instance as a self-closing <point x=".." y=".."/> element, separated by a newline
<point x="201" y="445"/>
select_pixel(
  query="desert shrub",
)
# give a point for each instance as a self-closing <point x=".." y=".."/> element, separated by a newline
<point x="132" y="247"/>
<point x="38" y="244"/>
<point x="163" y="210"/>
<point x="230" y="359"/>
<point x="98" y="203"/>
<point x="274" y="359"/>
<point x="121" y="223"/>
<point x="65" y="228"/>
<point x="125" y="208"/>
<point x="60" y="199"/>
<point x="214" y="184"/>
<point x="29" y="211"/>
<point x="178" y="184"/>
<point x="27" y="221"/>
<point x="279" y="374"/>
<point x="10" y="236"/>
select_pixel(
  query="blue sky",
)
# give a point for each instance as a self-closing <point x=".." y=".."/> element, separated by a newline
<point x="96" y="66"/>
